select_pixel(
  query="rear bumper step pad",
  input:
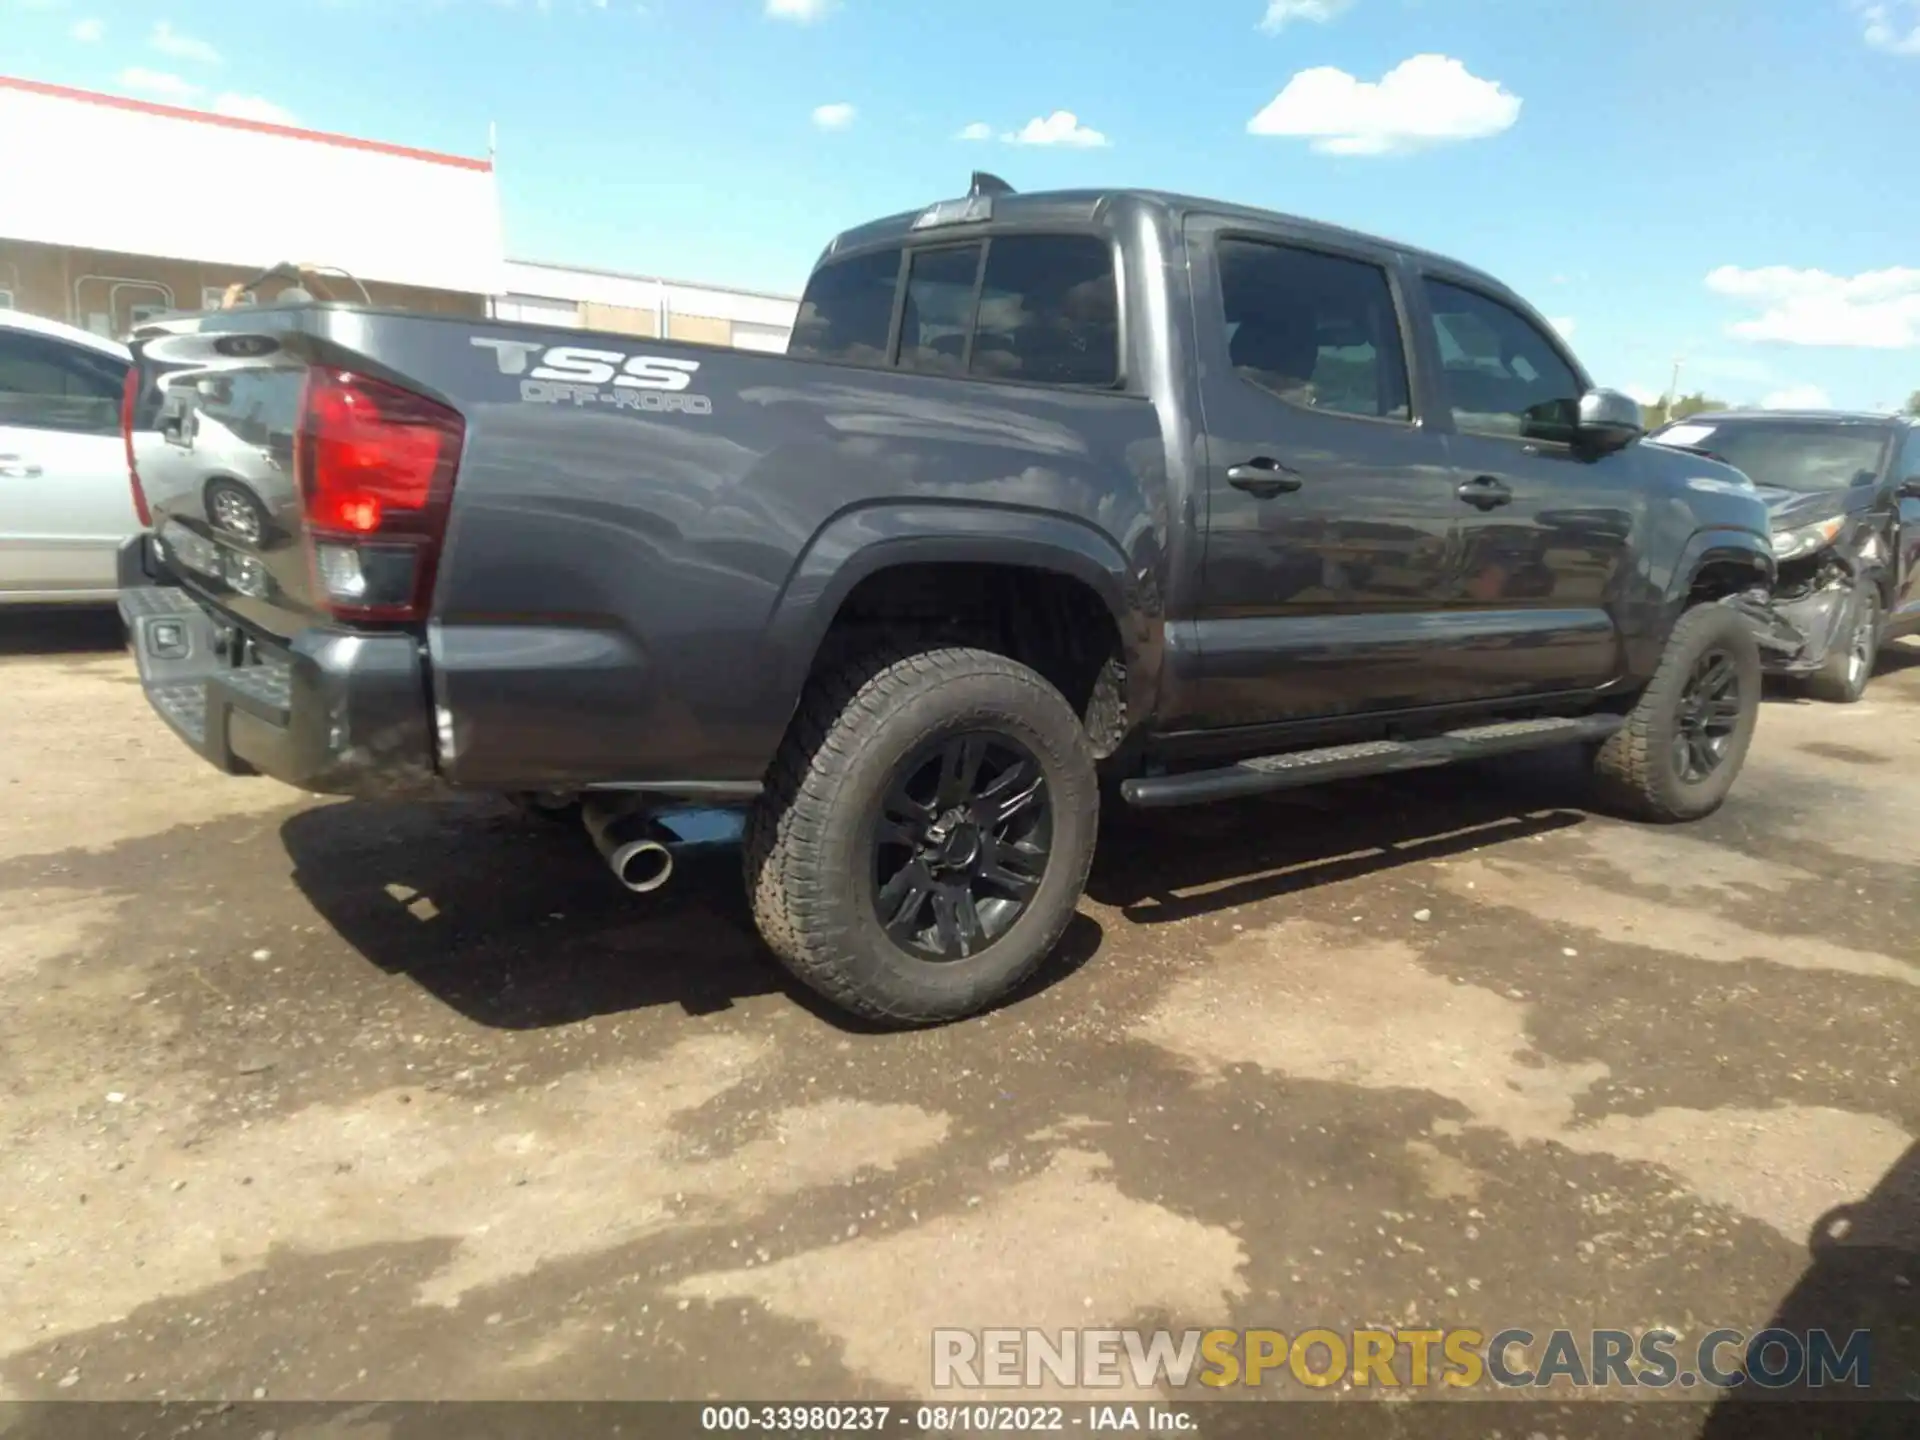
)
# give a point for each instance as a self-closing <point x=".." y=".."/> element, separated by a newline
<point x="336" y="712"/>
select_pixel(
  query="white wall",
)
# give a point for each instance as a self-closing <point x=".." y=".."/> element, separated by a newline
<point x="108" y="174"/>
<point x="761" y="321"/>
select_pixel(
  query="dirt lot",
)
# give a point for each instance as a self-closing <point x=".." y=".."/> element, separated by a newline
<point x="324" y="1100"/>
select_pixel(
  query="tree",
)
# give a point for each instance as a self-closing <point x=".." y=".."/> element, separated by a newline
<point x="1913" y="403"/>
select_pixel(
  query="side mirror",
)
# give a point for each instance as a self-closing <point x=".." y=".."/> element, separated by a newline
<point x="1609" y="421"/>
<point x="1910" y="488"/>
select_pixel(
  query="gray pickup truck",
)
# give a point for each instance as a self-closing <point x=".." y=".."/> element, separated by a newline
<point x="1053" y="498"/>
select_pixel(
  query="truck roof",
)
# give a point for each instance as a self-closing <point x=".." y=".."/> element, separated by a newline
<point x="1069" y="207"/>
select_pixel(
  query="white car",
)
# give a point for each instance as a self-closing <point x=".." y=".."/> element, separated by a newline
<point x="66" y="500"/>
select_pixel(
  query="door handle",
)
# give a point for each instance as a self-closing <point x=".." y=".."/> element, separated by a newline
<point x="18" y="467"/>
<point x="1484" y="492"/>
<point x="1263" y="478"/>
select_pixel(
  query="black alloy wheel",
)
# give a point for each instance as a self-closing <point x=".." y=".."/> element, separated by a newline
<point x="961" y="844"/>
<point x="1709" y="714"/>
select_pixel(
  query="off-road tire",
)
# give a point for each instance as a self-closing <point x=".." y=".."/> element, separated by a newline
<point x="807" y="847"/>
<point x="1634" y="772"/>
<point x="1837" y="681"/>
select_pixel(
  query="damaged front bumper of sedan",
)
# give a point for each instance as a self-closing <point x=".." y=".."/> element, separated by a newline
<point x="1782" y="643"/>
<point x="1812" y="597"/>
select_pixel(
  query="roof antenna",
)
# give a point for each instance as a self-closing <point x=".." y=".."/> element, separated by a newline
<point x="985" y="184"/>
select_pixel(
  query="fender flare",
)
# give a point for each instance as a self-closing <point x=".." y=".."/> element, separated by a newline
<point x="861" y="542"/>
<point x="1716" y="546"/>
<point x="1713" y="545"/>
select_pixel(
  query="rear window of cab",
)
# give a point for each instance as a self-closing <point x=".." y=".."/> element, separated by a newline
<point x="1038" y="309"/>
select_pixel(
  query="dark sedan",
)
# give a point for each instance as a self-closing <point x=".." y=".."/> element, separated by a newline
<point x="1844" y="490"/>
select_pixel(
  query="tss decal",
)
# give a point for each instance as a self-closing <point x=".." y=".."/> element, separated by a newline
<point x="561" y="374"/>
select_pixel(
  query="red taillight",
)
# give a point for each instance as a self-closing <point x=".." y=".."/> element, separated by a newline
<point x="129" y="400"/>
<point x="376" y="466"/>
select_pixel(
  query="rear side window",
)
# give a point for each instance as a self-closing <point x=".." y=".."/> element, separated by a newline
<point x="1049" y="312"/>
<point x="48" y="385"/>
<point x="847" y="310"/>
<point x="1317" y="330"/>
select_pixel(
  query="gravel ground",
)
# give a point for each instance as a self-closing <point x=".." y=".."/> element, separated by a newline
<point x="312" y="1099"/>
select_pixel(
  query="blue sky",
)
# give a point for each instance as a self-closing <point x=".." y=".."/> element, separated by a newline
<point x="1728" y="181"/>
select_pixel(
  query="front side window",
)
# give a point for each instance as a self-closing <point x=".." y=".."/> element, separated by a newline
<point x="847" y="310"/>
<point x="1049" y="312"/>
<point x="46" y="384"/>
<point x="1910" y="458"/>
<point x="1317" y="330"/>
<point x="1499" y="374"/>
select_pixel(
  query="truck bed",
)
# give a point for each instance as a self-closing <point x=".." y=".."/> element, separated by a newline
<point x="635" y="544"/>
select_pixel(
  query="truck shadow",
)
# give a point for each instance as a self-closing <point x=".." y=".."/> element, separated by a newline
<point x="1172" y="865"/>
<point x="1864" y="1275"/>
<point x="57" y="630"/>
<point x="516" y="924"/>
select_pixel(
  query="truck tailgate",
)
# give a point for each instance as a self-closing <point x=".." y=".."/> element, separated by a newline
<point x="290" y="482"/>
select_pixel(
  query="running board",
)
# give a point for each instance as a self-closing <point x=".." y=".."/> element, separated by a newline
<point x="1372" y="757"/>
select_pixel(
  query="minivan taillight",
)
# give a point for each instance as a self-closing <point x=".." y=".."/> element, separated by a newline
<point x="129" y="399"/>
<point x="376" y="465"/>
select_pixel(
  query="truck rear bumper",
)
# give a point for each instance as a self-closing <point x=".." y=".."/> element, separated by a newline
<point x="334" y="712"/>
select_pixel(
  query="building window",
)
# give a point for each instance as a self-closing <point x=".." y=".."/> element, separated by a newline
<point x="6" y="300"/>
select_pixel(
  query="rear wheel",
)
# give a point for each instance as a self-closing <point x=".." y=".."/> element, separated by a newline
<point x="1686" y="738"/>
<point x="1842" y="680"/>
<point x="925" y="833"/>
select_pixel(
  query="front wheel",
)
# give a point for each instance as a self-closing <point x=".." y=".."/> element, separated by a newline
<point x="925" y="833"/>
<point x="1686" y="738"/>
<point x="1842" y="680"/>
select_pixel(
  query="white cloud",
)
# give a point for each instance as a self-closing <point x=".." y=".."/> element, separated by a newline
<point x="1062" y="127"/>
<point x="252" y="107"/>
<point x="837" y="116"/>
<point x="1426" y="100"/>
<point x="1645" y="394"/>
<point x="1892" y="25"/>
<point x="158" y="82"/>
<point x="169" y="41"/>
<point x="1281" y="13"/>
<point x="978" y="130"/>
<point x="1798" y="397"/>
<point x="1565" y="324"/>
<point x="183" y="91"/>
<point x="87" y="31"/>
<point x="1874" y="310"/>
<point x="802" y="12"/>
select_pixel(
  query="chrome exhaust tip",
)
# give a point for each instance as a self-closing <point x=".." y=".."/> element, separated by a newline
<point x="636" y="849"/>
<point x="643" y="866"/>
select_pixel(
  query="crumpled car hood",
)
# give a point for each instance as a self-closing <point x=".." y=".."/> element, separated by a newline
<point x="1790" y="509"/>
